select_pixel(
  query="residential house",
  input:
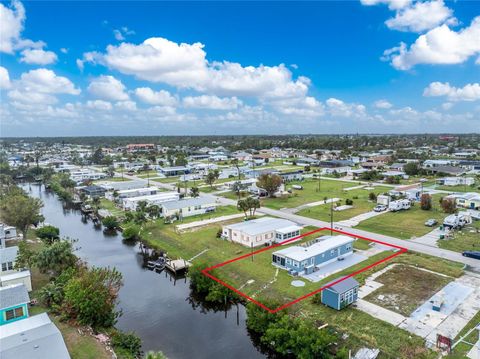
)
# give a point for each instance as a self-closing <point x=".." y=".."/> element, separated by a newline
<point x="336" y="170"/>
<point x="8" y="257"/>
<point x="341" y="294"/>
<point x="173" y="171"/>
<point x="130" y="204"/>
<point x="14" y="302"/>
<point x="258" y="232"/>
<point x="448" y="170"/>
<point x="291" y="176"/>
<point x="85" y="174"/>
<point x="93" y="191"/>
<point x="6" y="233"/>
<point x="121" y="186"/>
<point x="456" y="181"/>
<point x="129" y="193"/>
<point x="397" y="166"/>
<point x="469" y="200"/>
<point x="188" y="207"/>
<point x="304" y="259"/>
<point x="35" y="337"/>
<point x="437" y="163"/>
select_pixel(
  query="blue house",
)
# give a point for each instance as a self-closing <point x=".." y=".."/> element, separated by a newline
<point x="341" y="294"/>
<point x="303" y="259"/>
<point x="14" y="301"/>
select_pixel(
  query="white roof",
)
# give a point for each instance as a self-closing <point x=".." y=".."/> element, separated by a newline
<point x="35" y="337"/>
<point x="299" y="253"/>
<point x="188" y="202"/>
<point x="288" y="229"/>
<point x="153" y="197"/>
<point x="262" y="225"/>
<point x="133" y="190"/>
<point x="8" y="254"/>
<point x="14" y="275"/>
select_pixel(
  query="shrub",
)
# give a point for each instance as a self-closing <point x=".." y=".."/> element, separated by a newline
<point x="128" y="344"/>
<point x="372" y="196"/>
<point x="48" y="234"/>
<point x="110" y="222"/>
<point x="348" y="202"/>
<point x="131" y="233"/>
<point x="426" y="202"/>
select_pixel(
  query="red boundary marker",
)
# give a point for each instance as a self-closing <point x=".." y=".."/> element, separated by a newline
<point x="206" y="271"/>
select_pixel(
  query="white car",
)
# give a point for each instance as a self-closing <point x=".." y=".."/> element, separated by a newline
<point x="380" y="208"/>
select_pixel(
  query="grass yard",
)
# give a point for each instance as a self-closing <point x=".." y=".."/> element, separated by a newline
<point x="463" y="348"/>
<point x="322" y="212"/>
<point x="328" y="189"/>
<point x="404" y="224"/>
<point x="166" y="180"/>
<point x="219" y="212"/>
<point x="110" y="206"/>
<point x="464" y="240"/>
<point x="461" y="188"/>
<point x="405" y="288"/>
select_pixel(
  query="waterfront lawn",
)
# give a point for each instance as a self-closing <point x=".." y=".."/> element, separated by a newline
<point x="405" y="288"/>
<point x="110" y="206"/>
<point x="467" y="239"/>
<point x="310" y="193"/>
<point x="404" y="224"/>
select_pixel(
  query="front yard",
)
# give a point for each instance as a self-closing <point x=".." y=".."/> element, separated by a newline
<point x="467" y="239"/>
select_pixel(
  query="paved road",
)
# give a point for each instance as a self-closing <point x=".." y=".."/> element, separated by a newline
<point x="413" y="246"/>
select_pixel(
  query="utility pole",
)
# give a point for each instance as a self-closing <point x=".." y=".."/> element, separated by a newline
<point x="331" y="216"/>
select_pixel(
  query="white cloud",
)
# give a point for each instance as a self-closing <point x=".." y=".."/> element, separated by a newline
<point x="40" y="87"/>
<point x="421" y="16"/>
<point x="383" y="104"/>
<point x="64" y="50"/>
<point x="118" y="35"/>
<point x="38" y="57"/>
<point x="392" y="4"/>
<point x="12" y="20"/>
<point x="211" y="102"/>
<point x="470" y="92"/>
<point x="4" y="78"/>
<point x="108" y="88"/>
<point x="122" y="33"/>
<point x="99" y="105"/>
<point x="185" y="66"/>
<point x="447" y="106"/>
<point x="162" y="97"/>
<point x="339" y="108"/>
<point x="440" y="45"/>
<point x="307" y="107"/>
<point x="126" y="105"/>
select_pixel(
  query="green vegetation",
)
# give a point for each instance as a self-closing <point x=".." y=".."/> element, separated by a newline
<point x="463" y="348"/>
<point x="405" y="288"/>
<point x="404" y="224"/>
<point x="465" y="239"/>
<point x="48" y="234"/>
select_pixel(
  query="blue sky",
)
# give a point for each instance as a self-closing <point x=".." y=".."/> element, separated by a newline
<point x="124" y="68"/>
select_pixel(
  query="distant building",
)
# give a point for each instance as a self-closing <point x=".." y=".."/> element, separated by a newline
<point x="130" y="204"/>
<point x="35" y="337"/>
<point x="291" y="176"/>
<point x="14" y="301"/>
<point x="173" y="171"/>
<point x="6" y="233"/>
<point x="456" y="181"/>
<point x="304" y="259"/>
<point x="188" y="207"/>
<point x="448" y="170"/>
<point x="341" y="294"/>
<point x="258" y="232"/>
<point x="93" y="191"/>
<point x="140" y="147"/>
<point x="129" y="193"/>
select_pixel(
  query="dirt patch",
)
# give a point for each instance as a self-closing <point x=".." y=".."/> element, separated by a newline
<point x="405" y="288"/>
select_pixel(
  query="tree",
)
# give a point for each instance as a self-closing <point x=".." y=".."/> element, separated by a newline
<point x="110" y="222"/>
<point x="372" y="196"/>
<point x="236" y="163"/>
<point x="48" y="234"/>
<point x="154" y="211"/>
<point x="448" y="205"/>
<point x="411" y="169"/>
<point x="97" y="156"/>
<point x="211" y="177"/>
<point x="238" y="187"/>
<point x="194" y="192"/>
<point x="426" y="202"/>
<point x="56" y="258"/>
<point x="270" y="183"/>
<point x="131" y="233"/>
<point x="141" y="206"/>
<point x="21" y="211"/>
<point x="91" y="296"/>
<point x="242" y="205"/>
<point x="253" y="204"/>
<point x="25" y="256"/>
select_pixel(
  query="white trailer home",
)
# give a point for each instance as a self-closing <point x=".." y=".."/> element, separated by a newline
<point x="188" y="207"/>
<point x="130" y="204"/>
<point x="130" y="193"/>
<point x="399" y="205"/>
<point x="459" y="220"/>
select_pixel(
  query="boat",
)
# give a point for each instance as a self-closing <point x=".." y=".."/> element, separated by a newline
<point x="158" y="264"/>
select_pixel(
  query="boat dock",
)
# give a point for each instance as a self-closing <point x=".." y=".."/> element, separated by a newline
<point x="177" y="265"/>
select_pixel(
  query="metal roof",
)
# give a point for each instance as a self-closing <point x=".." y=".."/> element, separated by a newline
<point x="35" y="337"/>
<point x="8" y="254"/>
<point x="261" y="225"/>
<point x="300" y="253"/>
<point x="188" y="202"/>
<point x="13" y="295"/>
<point x="344" y="285"/>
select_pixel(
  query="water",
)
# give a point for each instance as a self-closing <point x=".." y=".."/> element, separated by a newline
<point x="158" y="308"/>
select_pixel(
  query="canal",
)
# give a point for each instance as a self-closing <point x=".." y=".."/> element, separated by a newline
<point x="158" y="308"/>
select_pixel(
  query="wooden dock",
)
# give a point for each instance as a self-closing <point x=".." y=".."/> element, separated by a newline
<point x="177" y="265"/>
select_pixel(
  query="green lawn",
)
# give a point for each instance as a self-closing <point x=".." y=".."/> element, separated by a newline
<point x="404" y="224"/>
<point x="463" y="240"/>
<point x="462" y="349"/>
<point x="146" y="174"/>
<point x="328" y="189"/>
<point x="322" y="212"/>
<point x="110" y="206"/>
<point x="166" y="180"/>
<point x="460" y="188"/>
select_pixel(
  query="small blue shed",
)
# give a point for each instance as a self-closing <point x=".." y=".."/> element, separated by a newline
<point x="341" y="294"/>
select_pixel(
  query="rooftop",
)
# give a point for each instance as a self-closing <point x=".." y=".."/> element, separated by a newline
<point x="188" y="202"/>
<point x="344" y="285"/>
<point x="262" y="225"/>
<point x="8" y="254"/>
<point x="13" y="295"/>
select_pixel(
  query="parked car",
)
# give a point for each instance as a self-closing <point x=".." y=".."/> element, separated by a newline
<point x="472" y="254"/>
<point x="380" y="208"/>
<point x="297" y="186"/>
<point x="431" y="222"/>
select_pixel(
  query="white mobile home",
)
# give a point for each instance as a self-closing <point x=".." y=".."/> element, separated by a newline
<point x="456" y="181"/>
<point x="399" y="205"/>
<point x="257" y="232"/>
<point x="129" y="193"/>
<point x="188" y="207"/>
<point x="130" y="204"/>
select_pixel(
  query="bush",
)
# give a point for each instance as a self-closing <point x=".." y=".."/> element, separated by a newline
<point x="131" y="233"/>
<point x="48" y="234"/>
<point x="110" y="222"/>
<point x="126" y="344"/>
<point x="426" y="202"/>
<point x="372" y="196"/>
<point x="348" y="202"/>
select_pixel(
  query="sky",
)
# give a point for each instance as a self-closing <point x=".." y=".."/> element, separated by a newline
<point x="211" y="68"/>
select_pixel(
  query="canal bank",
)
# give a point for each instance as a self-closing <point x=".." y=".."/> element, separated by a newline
<point x="158" y="308"/>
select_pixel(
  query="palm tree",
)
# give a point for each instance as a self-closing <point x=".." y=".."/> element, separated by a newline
<point x="194" y="192"/>
<point x="242" y="205"/>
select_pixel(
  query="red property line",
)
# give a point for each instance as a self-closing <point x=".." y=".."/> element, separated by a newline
<point x="261" y="305"/>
